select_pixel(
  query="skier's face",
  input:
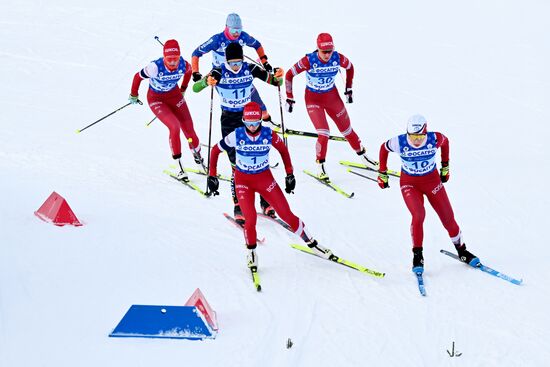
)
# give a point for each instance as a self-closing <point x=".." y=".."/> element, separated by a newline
<point x="171" y="62"/>
<point x="416" y="140"/>
<point x="325" y="55"/>
<point x="252" y="126"/>
<point x="235" y="64"/>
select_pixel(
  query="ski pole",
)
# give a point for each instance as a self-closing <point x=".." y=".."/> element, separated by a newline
<point x="157" y="38"/>
<point x="150" y="122"/>
<point x="282" y="116"/>
<point x="208" y="193"/>
<point x="104" y="117"/>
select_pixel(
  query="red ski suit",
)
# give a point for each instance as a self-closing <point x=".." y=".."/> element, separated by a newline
<point x="320" y="104"/>
<point x="171" y="109"/>
<point x="246" y="185"/>
<point x="413" y="189"/>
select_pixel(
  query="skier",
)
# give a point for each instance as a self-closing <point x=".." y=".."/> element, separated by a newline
<point x="167" y="101"/>
<point x="252" y="144"/>
<point x="217" y="43"/>
<point x="233" y="81"/>
<point x="322" y="97"/>
<point x="420" y="177"/>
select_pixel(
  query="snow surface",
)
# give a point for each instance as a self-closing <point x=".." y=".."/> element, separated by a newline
<point x="477" y="70"/>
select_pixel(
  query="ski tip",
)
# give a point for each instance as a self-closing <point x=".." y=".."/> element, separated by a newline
<point x="352" y="194"/>
<point x="259" y="288"/>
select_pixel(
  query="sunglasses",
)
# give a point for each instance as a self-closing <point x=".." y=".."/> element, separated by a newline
<point x="235" y="30"/>
<point x="326" y="52"/>
<point x="252" y="123"/>
<point x="235" y="63"/>
<point x="417" y="136"/>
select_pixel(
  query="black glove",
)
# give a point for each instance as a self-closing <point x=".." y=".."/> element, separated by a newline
<point x="267" y="67"/>
<point x="213" y="185"/>
<point x="290" y="183"/>
<point x="349" y="95"/>
<point x="197" y="76"/>
<point x="444" y="172"/>
<point x="290" y="104"/>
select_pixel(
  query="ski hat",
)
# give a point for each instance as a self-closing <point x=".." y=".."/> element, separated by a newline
<point x="252" y="112"/>
<point x="234" y="21"/>
<point x="324" y="42"/>
<point x="417" y="124"/>
<point x="234" y="51"/>
<point x="171" y="48"/>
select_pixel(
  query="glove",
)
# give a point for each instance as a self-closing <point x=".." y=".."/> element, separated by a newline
<point x="213" y="185"/>
<point x="211" y="81"/>
<point x="444" y="172"/>
<point x="267" y="67"/>
<point x="290" y="104"/>
<point x="383" y="179"/>
<point x="279" y="72"/>
<point x="349" y="95"/>
<point x="133" y="99"/>
<point x="290" y="183"/>
<point x="197" y="76"/>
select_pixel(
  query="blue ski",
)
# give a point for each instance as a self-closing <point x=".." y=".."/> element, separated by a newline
<point x="487" y="270"/>
<point x="420" y="281"/>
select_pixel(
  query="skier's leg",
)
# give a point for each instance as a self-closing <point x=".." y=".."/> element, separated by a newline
<point x="414" y="200"/>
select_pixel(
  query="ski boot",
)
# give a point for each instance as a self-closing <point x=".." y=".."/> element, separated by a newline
<point x="367" y="161"/>
<point x="199" y="160"/>
<point x="266" y="208"/>
<point x="418" y="260"/>
<point x="238" y="215"/>
<point x="252" y="259"/>
<point x="319" y="250"/>
<point x="321" y="169"/>
<point x="466" y="256"/>
<point x="182" y="175"/>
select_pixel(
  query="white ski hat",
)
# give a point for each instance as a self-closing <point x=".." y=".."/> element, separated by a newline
<point x="417" y="124"/>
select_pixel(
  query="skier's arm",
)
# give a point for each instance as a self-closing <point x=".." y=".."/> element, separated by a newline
<point x="186" y="77"/>
<point x="346" y="64"/>
<point x="443" y="143"/>
<point x="225" y="144"/>
<point x="258" y="72"/>
<point x="279" y="144"/>
<point x="391" y="145"/>
<point x="203" y="83"/>
<point x="301" y="66"/>
<point x="150" y="71"/>
<point x="201" y="50"/>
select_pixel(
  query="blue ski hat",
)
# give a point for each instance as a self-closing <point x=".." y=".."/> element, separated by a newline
<point x="417" y="124"/>
<point x="234" y="21"/>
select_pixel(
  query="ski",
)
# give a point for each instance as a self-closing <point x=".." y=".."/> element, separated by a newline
<point x="238" y="225"/>
<point x="420" y="281"/>
<point x="278" y="130"/>
<point x="362" y="166"/>
<point x="329" y="184"/>
<point x="202" y="173"/>
<point x="341" y="261"/>
<point x="277" y="220"/>
<point x="189" y="184"/>
<point x="256" y="278"/>
<point x="362" y="175"/>
<point x="487" y="269"/>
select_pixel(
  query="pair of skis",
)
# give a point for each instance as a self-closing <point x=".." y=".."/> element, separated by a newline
<point x="190" y="183"/>
<point x="483" y="268"/>
<point x="339" y="190"/>
<point x="306" y="249"/>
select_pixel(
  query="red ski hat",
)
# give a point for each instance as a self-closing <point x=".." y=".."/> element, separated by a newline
<point x="324" y="42"/>
<point x="252" y="112"/>
<point x="171" y="48"/>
